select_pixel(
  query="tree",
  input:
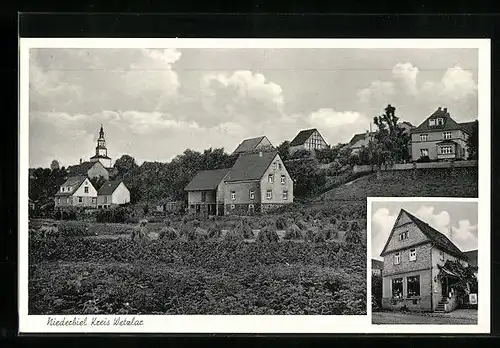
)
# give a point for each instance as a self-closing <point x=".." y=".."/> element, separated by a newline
<point x="307" y="176"/>
<point x="390" y="143"/>
<point x="54" y="165"/>
<point x="283" y="150"/>
<point x="125" y="164"/>
<point x="473" y="142"/>
<point x="327" y="155"/>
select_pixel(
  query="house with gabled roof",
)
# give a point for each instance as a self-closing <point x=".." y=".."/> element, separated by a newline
<point x="359" y="141"/>
<point x="112" y="194"/>
<point x="377" y="266"/>
<point x="308" y="139"/>
<point x="257" y="182"/>
<point x="423" y="270"/>
<point x="440" y="137"/>
<point x="76" y="191"/>
<point x="89" y="169"/>
<point x="206" y="192"/>
<point x="254" y="144"/>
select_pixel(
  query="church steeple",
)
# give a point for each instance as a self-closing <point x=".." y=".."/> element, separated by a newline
<point x="101" y="152"/>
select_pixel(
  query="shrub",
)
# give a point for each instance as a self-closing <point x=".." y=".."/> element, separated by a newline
<point x="244" y="228"/>
<point x="330" y="232"/>
<point x="353" y="237"/>
<point x="74" y="229"/>
<point x="168" y="233"/>
<point x="355" y="226"/>
<point x="234" y="235"/>
<point x="115" y="215"/>
<point x="293" y="232"/>
<point x="309" y="235"/>
<point x="343" y="226"/>
<point x="281" y="223"/>
<point x="267" y="235"/>
<point x="319" y="236"/>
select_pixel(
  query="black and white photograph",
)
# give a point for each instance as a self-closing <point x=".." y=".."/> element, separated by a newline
<point x="204" y="178"/>
<point x="424" y="262"/>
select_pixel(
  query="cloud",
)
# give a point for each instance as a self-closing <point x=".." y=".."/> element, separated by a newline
<point x="406" y="74"/>
<point x="377" y="90"/>
<point x="465" y="235"/>
<point x="456" y="84"/>
<point x="382" y="223"/>
<point x="440" y="221"/>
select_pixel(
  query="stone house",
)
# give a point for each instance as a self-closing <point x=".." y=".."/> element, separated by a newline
<point x="206" y="192"/>
<point x="112" y="194"/>
<point x="257" y="182"/>
<point x="89" y="169"/>
<point x="440" y="137"/>
<point x="308" y="139"/>
<point x="416" y="271"/>
<point x="76" y="191"/>
<point x="254" y="144"/>
<point x="377" y="267"/>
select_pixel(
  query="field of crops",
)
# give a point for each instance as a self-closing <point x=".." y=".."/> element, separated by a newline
<point x="318" y="269"/>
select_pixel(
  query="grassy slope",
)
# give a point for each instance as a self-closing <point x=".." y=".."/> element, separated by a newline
<point x="459" y="182"/>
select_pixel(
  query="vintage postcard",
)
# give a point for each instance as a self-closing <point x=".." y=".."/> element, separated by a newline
<point x="230" y="185"/>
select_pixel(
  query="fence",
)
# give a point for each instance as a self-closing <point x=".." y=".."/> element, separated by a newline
<point x="408" y="166"/>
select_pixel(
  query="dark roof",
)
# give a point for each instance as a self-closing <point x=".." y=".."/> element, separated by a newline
<point x="248" y="145"/>
<point x="301" y="138"/>
<point x="207" y="180"/>
<point x="409" y="124"/>
<point x="472" y="257"/>
<point x="377" y="264"/>
<point x="99" y="156"/>
<point x="251" y="166"/>
<point x="74" y="182"/>
<point x="447" y="141"/>
<point x="467" y="126"/>
<point x="437" y="238"/>
<point x="81" y="169"/>
<point x="109" y="187"/>
<point x="448" y="124"/>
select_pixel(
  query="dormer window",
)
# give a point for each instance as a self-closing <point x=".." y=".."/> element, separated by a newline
<point x="403" y="235"/>
<point x="432" y="122"/>
<point x="440" y="121"/>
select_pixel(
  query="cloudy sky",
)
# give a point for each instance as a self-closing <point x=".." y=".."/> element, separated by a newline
<point x="460" y="216"/>
<point x="155" y="103"/>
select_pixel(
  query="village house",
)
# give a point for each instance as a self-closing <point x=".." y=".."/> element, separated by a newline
<point x="112" y="194"/>
<point x="440" y="137"/>
<point x="359" y="141"/>
<point x="206" y="192"/>
<point x="423" y="269"/>
<point x="257" y="182"/>
<point x="308" y="139"/>
<point x="254" y="144"/>
<point x="76" y="191"/>
<point x="377" y="267"/>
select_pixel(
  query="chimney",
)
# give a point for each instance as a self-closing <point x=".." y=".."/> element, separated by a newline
<point x="80" y="161"/>
<point x="439" y="108"/>
<point x="445" y="110"/>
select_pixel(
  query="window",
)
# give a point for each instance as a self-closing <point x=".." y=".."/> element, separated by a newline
<point x="105" y="199"/>
<point x="446" y="135"/>
<point x="403" y="235"/>
<point x="270" y="178"/>
<point x="232" y="206"/>
<point x="269" y="194"/>
<point x="275" y="165"/>
<point x="441" y="255"/>
<point x="93" y="199"/>
<point x="285" y="195"/>
<point x="413" y="286"/>
<point x="463" y="152"/>
<point x="424" y="137"/>
<point x="233" y="195"/>
<point x="440" y="121"/>
<point x="62" y="189"/>
<point x="432" y="122"/>
<point x="424" y="153"/>
<point x="86" y="189"/>
<point x="58" y="200"/>
<point x="397" y="258"/>
<point x="252" y="194"/>
<point x="446" y="150"/>
<point x="397" y="288"/>
<point x="67" y="200"/>
<point x="203" y="196"/>
<point x="80" y="199"/>
<point x="279" y="166"/>
<point x="413" y="254"/>
<point x="283" y="179"/>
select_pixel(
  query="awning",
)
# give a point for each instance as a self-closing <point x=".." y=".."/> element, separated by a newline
<point x="447" y="273"/>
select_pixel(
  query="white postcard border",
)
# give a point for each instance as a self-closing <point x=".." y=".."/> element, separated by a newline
<point x="257" y="323"/>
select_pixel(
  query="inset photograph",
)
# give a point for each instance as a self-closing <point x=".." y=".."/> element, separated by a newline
<point x="424" y="261"/>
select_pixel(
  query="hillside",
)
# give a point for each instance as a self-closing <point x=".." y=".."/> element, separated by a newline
<point x="459" y="182"/>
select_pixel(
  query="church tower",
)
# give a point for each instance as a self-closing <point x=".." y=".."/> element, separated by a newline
<point x="101" y="152"/>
